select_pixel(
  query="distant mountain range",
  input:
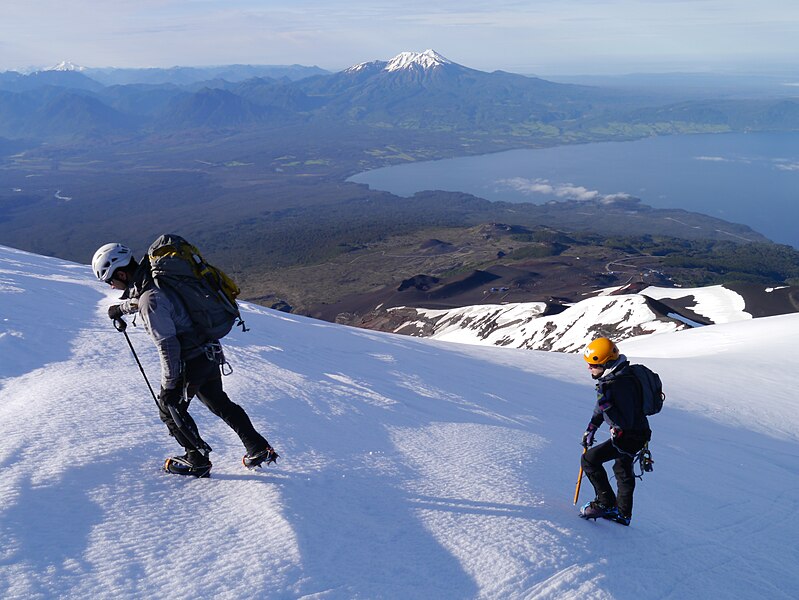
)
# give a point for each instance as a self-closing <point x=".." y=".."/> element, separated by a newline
<point x="181" y="75"/>
<point x="421" y="91"/>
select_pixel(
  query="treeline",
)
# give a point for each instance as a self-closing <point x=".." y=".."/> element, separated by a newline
<point x="693" y="262"/>
<point x="314" y="235"/>
<point x="727" y="262"/>
<point x="711" y="262"/>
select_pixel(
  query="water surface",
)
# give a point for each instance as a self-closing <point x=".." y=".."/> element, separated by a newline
<point x="749" y="178"/>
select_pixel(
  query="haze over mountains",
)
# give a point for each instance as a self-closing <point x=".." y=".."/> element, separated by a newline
<point x="376" y="92"/>
<point x="180" y="75"/>
<point x="414" y="90"/>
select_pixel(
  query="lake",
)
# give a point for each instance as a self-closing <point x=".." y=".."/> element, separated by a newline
<point x="749" y="178"/>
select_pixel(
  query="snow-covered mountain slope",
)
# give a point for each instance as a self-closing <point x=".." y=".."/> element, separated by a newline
<point x="410" y="468"/>
<point x="404" y="61"/>
<point x="620" y="316"/>
<point x="524" y="325"/>
<point x="429" y="59"/>
<point x="66" y="65"/>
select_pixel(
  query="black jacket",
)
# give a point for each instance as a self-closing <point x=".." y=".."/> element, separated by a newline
<point x="619" y="402"/>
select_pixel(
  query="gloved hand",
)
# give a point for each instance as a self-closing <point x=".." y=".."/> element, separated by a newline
<point x="115" y="312"/>
<point x="170" y="397"/>
<point x="588" y="436"/>
<point x="616" y="432"/>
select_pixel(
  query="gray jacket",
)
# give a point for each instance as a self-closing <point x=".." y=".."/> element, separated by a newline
<point x="168" y="323"/>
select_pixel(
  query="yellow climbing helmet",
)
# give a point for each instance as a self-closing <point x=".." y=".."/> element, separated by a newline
<point x="600" y="351"/>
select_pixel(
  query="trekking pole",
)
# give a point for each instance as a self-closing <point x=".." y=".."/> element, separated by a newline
<point x="579" y="480"/>
<point x="120" y="325"/>
<point x="191" y="436"/>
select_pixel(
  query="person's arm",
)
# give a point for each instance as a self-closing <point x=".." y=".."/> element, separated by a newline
<point x="596" y="419"/>
<point x="129" y="306"/>
<point x="605" y="409"/>
<point x="156" y="310"/>
<point x="126" y="307"/>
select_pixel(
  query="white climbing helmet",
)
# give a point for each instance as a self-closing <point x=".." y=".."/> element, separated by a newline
<point x="108" y="259"/>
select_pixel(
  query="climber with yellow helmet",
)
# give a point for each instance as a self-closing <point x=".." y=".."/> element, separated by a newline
<point x="619" y="404"/>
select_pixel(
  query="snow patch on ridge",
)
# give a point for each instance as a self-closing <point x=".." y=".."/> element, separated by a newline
<point x="374" y="64"/>
<point x="715" y="302"/>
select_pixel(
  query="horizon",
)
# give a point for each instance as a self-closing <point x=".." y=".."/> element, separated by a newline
<point x="580" y="38"/>
<point x="762" y="73"/>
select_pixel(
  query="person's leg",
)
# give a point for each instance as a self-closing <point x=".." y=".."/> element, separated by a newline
<point x="625" y="482"/>
<point x="214" y="397"/>
<point x="193" y="462"/>
<point x="205" y="381"/>
<point x="173" y="428"/>
<point x="593" y="467"/>
<point x="625" y="475"/>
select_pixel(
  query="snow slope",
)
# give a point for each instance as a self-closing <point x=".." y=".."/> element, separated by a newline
<point x="410" y="468"/>
<point x="522" y="325"/>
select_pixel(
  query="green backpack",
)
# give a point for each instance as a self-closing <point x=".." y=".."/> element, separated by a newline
<point x="208" y="294"/>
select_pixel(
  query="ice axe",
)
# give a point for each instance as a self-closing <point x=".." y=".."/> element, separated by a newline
<point x="579" y="480"/>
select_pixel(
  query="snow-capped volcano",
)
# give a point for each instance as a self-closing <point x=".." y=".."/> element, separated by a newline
<point x="65" y="65"/>
<point x="404" y="61"/>
<point x="428" y="59"/>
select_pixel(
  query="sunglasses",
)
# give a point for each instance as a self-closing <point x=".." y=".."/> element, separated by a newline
<point x="596" y="366"/>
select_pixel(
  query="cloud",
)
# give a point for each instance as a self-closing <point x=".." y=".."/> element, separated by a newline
<point x="787" y="166"/>
<point x="713" y="158"/>
<point x="725" y="159"/>
<point x="619" y="198"/>
<point x="564" y="191"/>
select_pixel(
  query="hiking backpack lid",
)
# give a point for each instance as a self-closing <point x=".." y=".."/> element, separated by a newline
<point x="651" y="389"/>
<point x="208" y="294"/>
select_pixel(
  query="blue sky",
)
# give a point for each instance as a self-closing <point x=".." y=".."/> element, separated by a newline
<point x="532" y="37"/>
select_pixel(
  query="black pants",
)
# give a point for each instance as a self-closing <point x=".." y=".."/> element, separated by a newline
<point x="593" y="466"/>
<point x="205" y="382"/>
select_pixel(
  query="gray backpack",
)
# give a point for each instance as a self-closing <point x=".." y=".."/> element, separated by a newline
<point x="207" y="293"/>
